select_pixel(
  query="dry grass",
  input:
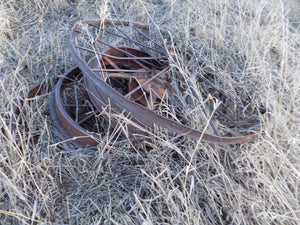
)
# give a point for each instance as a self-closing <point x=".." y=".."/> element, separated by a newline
<point x="45" y="180"/>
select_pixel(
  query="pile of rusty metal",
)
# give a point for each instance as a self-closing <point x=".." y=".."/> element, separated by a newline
<point x="121" y="75"/>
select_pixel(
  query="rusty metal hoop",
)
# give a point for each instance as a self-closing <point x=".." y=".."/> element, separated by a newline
<point x="62" y="119"/>
<point x="144" y="116"/>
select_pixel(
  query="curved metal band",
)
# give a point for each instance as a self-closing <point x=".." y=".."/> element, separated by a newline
<point x="62" y="119"/>
<point x="145" y="116"/>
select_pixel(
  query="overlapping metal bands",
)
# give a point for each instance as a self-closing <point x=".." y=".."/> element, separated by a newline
<point x="125" y="68"/>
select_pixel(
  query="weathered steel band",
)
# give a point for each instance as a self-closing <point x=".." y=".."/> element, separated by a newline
<point x="145" y="116"/>
<point x="62" y="119"/>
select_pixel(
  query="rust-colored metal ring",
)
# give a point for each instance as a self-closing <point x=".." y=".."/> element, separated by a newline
<point x="62" y="119"/>
<point x="145" y="117"/>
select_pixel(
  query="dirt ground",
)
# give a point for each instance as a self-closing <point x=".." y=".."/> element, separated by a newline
<point x="252" y="46"/>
